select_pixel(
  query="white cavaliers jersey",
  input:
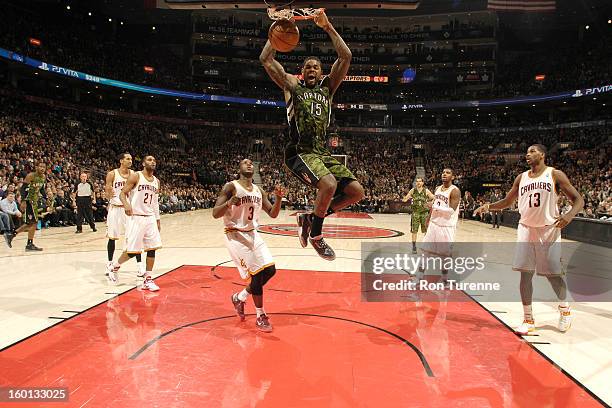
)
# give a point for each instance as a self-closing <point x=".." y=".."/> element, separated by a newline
<point x="537" y="200"/>
<point x="144" y="196"/>
<point x="244" y="217"/>
<point x="118" y="183"/>
<point x="443" y="200"/>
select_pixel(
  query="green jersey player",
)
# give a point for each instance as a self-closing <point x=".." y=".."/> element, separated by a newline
<point x="420" y="211"/>
<point x="32" y="189"/>
<point x="307" y="157"/>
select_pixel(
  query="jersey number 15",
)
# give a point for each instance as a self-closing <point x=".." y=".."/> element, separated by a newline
<point x="316" y="109"/>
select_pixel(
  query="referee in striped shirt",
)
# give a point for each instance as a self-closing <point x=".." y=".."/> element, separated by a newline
<point x="85" y="199"/>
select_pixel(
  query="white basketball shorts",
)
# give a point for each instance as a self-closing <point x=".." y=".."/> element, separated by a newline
<point x="142" y="234"/>
<point x="538" y="249"/>
<point x="248" y="251"/>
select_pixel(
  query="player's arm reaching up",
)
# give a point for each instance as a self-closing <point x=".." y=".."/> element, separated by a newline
<point x="572" y="194"/>
<point x="275" y="70"/>
<point x="342" y="64"/>
<point x="129" y="186"/>
<point x="506" y="202"/>
<point x="227" y="198"/>
<point x="273" y="210"/>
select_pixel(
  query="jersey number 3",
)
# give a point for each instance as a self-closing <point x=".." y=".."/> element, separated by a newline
<point x="251" y="209"/>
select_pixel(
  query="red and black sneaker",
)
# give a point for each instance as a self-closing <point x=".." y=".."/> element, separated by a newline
<point x="304" y="222"/>
<point x="263" y="324"/>
<point x="323" y="249"/>
<point x="239" y="306"/>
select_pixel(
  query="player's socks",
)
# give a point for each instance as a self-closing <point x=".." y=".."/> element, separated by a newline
<point x="527" y="313"/>
<point x="528" y="324"/>
<point x="316" y="227"/>
<point x="259" y="311"/>
<point x="243" y="295"/>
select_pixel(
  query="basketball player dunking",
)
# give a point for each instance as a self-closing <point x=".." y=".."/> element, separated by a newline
<point x="539" y="231"/>
<point x="143" y="226"/>
<point x="440" y="235"/>
<point x="116" y="219"/>
<point x="307" y="157"/>
<point x="420" y="196"/>
<point x="239" y="203"/>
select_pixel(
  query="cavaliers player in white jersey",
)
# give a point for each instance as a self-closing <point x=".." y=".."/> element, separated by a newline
<point x="116" y="218"/>
<point x="440" y="235"/>
<point x="539" y="231"/>
<point x="143" y="226"/>
<point x="239" y="203"/>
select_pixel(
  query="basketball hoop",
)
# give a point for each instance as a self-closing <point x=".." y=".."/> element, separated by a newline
<point x="277" y="11"/>
<point x="293" y="14"/>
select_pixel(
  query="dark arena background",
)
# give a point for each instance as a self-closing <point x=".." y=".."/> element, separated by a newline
<point x="465" y="85"/>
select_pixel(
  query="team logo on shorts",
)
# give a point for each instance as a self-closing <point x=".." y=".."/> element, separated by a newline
<point x="334" y="231"/>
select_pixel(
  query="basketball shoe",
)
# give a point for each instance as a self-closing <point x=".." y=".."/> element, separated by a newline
<point x="141" y="270"/>
<point x="325" y="251"/>
<point x="148" y="284"/>
<point x="565" y="319"/>
<point x="304" y="222"/>
<point x="239" y="306"/>
<point x="263" y="323"/>
<point x="526" y="327"/>
<point x="32" y="247"/>
<point x="112" y="272"/>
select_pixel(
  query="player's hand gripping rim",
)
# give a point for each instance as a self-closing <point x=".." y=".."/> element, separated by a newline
<point x="321" y="19"/>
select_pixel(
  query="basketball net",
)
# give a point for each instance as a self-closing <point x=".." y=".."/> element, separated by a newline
<point x="293" y="14"/>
